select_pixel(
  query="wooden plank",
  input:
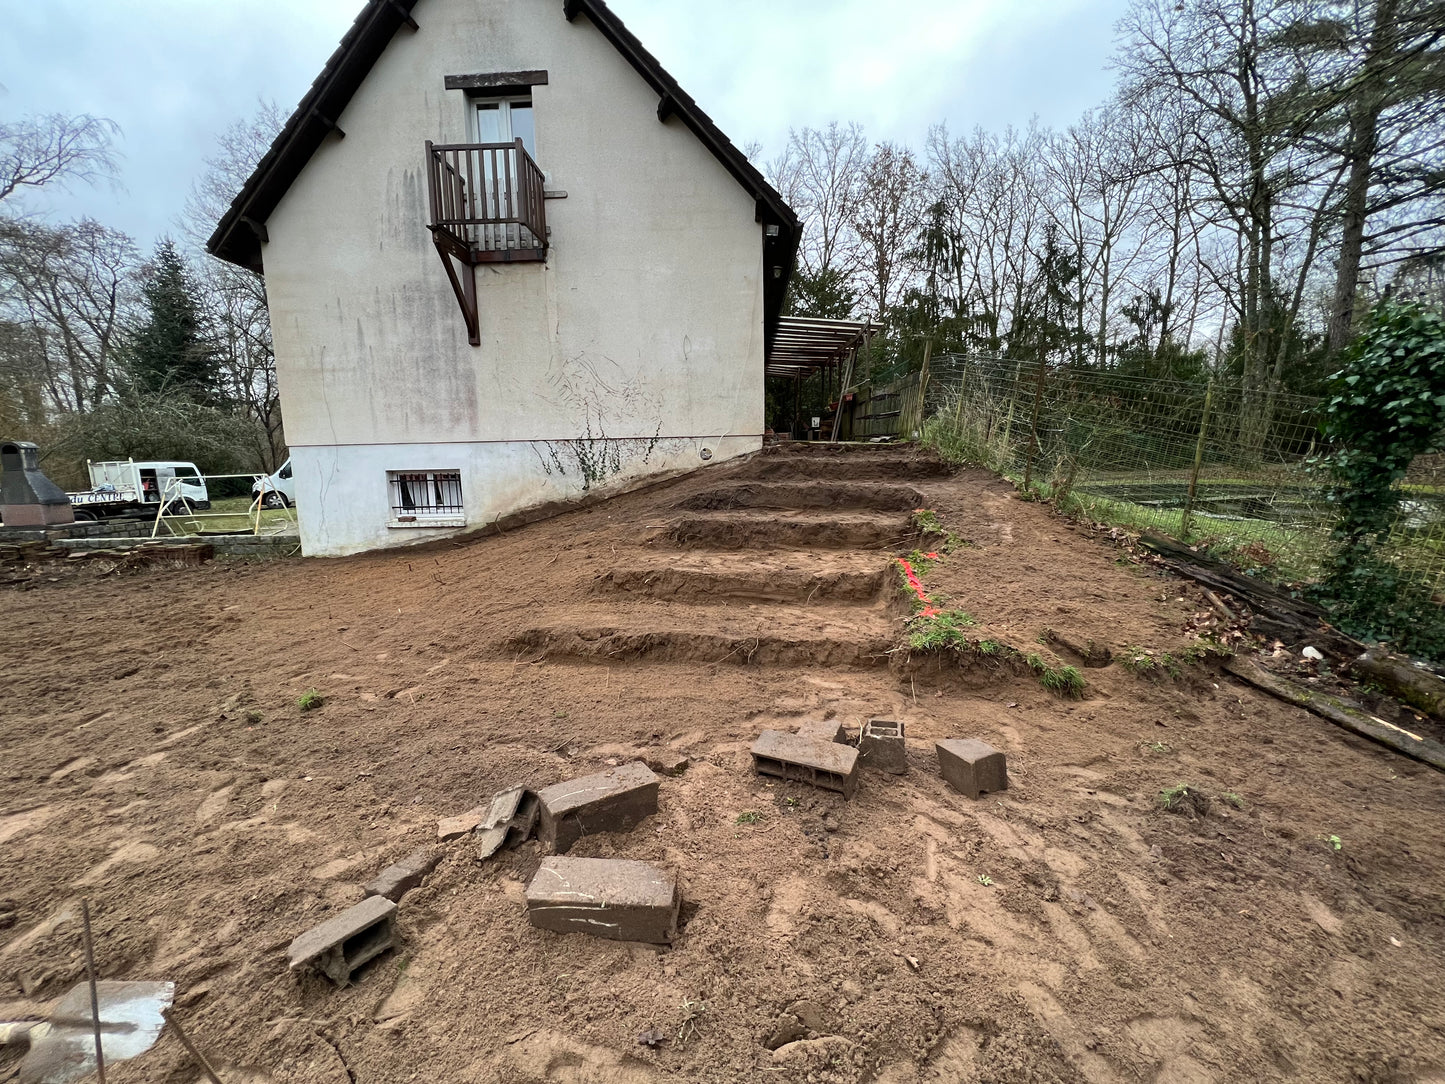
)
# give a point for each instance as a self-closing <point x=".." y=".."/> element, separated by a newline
<point x="1340" y="712"/>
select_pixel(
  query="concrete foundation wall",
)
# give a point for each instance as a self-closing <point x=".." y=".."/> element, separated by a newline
<point x="345" y="504"/>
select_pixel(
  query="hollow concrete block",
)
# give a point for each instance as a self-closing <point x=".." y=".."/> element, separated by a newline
<point x="340" y="945"/>
<point x="881" y="746"/>
<point x="791" y="756"/>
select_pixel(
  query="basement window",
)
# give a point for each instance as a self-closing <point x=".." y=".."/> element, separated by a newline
<point x="431" y="498"/>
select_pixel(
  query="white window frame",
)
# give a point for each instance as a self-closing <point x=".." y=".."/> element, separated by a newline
<point x="425" y="485"/>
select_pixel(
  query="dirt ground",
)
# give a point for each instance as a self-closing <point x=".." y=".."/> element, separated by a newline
<point x="153" y="759"/>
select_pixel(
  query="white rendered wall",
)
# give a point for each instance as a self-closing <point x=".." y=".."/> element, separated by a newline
<point x="344" y="508"/>
<point x="644" y="325"/>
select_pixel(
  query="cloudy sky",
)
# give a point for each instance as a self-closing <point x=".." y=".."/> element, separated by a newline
<point x="173" y="73"/>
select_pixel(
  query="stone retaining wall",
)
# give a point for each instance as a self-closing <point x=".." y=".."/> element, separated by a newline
<point x="226" y="545"/>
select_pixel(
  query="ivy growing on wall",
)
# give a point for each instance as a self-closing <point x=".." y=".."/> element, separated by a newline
<point x="1387" y="406"/>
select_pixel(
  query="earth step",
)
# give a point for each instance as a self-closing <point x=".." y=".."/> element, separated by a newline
<point x="758" y="530"/>
<point x="830" y="636"/>
<point x="882" y="496"/>
<point x="861" y="467"/>
<point x="782" y="577"/>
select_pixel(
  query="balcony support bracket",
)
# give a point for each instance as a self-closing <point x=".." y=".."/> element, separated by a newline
<point x="463" y="276"/>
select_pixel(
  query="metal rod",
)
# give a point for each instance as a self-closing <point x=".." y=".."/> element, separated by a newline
<point x="94" y="994"/>
<point x="190" y="1047"/>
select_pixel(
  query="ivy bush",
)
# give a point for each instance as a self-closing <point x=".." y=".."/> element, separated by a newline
<point x="1387" y="406"/>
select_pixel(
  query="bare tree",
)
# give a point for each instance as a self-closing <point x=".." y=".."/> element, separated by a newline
<point x="54" y="150"/>
<point x="822" y="171"/>
<point x="1217" y="62"/>
<point x="74" y="287"/>
<point x="887" y="217"/>
<point x="1095" y="172"/>
<point x="1381" y="104"/>
<point x="987" y="224"/>
<point x="234" y="298"/>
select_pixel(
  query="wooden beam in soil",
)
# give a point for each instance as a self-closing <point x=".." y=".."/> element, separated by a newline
<point x="1340" y="712"/>
<point x="1281" y="608"/>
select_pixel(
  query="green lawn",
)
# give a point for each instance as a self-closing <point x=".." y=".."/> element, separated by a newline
<point x="234" y="514"/>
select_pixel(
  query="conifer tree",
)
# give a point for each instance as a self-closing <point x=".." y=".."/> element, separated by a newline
<point x="171" y="349"/>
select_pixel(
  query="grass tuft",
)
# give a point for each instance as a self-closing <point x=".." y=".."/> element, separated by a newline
<point x="310" y="700"/>
<point x="1065" y="680"/>
<point x="941" y="631"/>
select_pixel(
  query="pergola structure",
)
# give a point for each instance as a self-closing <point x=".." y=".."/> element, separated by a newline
<point x="807" y="347"/>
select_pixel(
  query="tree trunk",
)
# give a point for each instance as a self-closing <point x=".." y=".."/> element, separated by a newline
<point x="1360" y="148"/>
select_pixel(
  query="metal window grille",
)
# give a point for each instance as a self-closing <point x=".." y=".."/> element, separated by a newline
<point x="419" y="496"/>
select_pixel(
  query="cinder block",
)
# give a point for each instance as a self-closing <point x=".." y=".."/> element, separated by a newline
<point x="340" y="945"/>
<point x="972" y="767"/>
<point x="824" y="730"/>
<point x="397" y="880"/>
<point x="612" y="801"/>
<point x="509" y="821"/>
<point x="807" y="760"/>
<point x="605" y="897"/>
<point x="881" y="746"/>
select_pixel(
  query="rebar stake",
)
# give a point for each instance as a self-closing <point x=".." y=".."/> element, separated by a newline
<point x="94" y="996"/>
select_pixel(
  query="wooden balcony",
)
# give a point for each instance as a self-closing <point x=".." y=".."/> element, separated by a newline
<point x="487" y="201"/>
<point x="487" y="206"/>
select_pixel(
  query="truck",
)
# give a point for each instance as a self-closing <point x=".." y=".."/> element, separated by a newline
<point x="125" y="487"/>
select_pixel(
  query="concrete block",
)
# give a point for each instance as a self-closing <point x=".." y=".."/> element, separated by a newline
<point x="509" y="822"/>
<point x="824" y="730"/>
<point x="972" y="767"/>
<point x="340" y="945"/>
<point x="881" y="746"/>
<point x="397" y="880"/>
<point x="605" y="897"/>
<point x="807" y="760"/>
<point x="612" y="801"/>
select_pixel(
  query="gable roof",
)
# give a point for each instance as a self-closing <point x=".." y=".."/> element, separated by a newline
<point x="241" y="231"/>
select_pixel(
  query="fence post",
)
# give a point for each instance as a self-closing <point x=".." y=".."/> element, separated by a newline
<point x="922" y="386"/>
<point x="1034" y="427"/>
<point x="1198" y="461"/>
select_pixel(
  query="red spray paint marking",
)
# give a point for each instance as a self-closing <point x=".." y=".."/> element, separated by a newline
<point x="929" y="610"/>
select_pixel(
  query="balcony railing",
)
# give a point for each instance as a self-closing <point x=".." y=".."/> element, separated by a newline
<point x="487" y="201"/>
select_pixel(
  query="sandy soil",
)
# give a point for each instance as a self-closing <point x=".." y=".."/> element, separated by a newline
<point x="153" y="759"/>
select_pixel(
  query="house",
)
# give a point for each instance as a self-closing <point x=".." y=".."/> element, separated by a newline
<point x="509" y="262"/>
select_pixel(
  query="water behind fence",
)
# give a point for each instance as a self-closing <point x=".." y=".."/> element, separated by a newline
<point x="1209" y="461"/>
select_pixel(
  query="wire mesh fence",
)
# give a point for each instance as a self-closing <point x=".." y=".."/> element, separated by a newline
<point x="1210" y="461"/>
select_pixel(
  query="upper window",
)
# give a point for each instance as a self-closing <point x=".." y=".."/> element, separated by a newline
<point x="502" y="120"/>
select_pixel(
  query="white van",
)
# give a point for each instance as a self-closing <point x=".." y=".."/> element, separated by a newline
<point x="146" y="483"/>
<point x="280" y="488"/>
